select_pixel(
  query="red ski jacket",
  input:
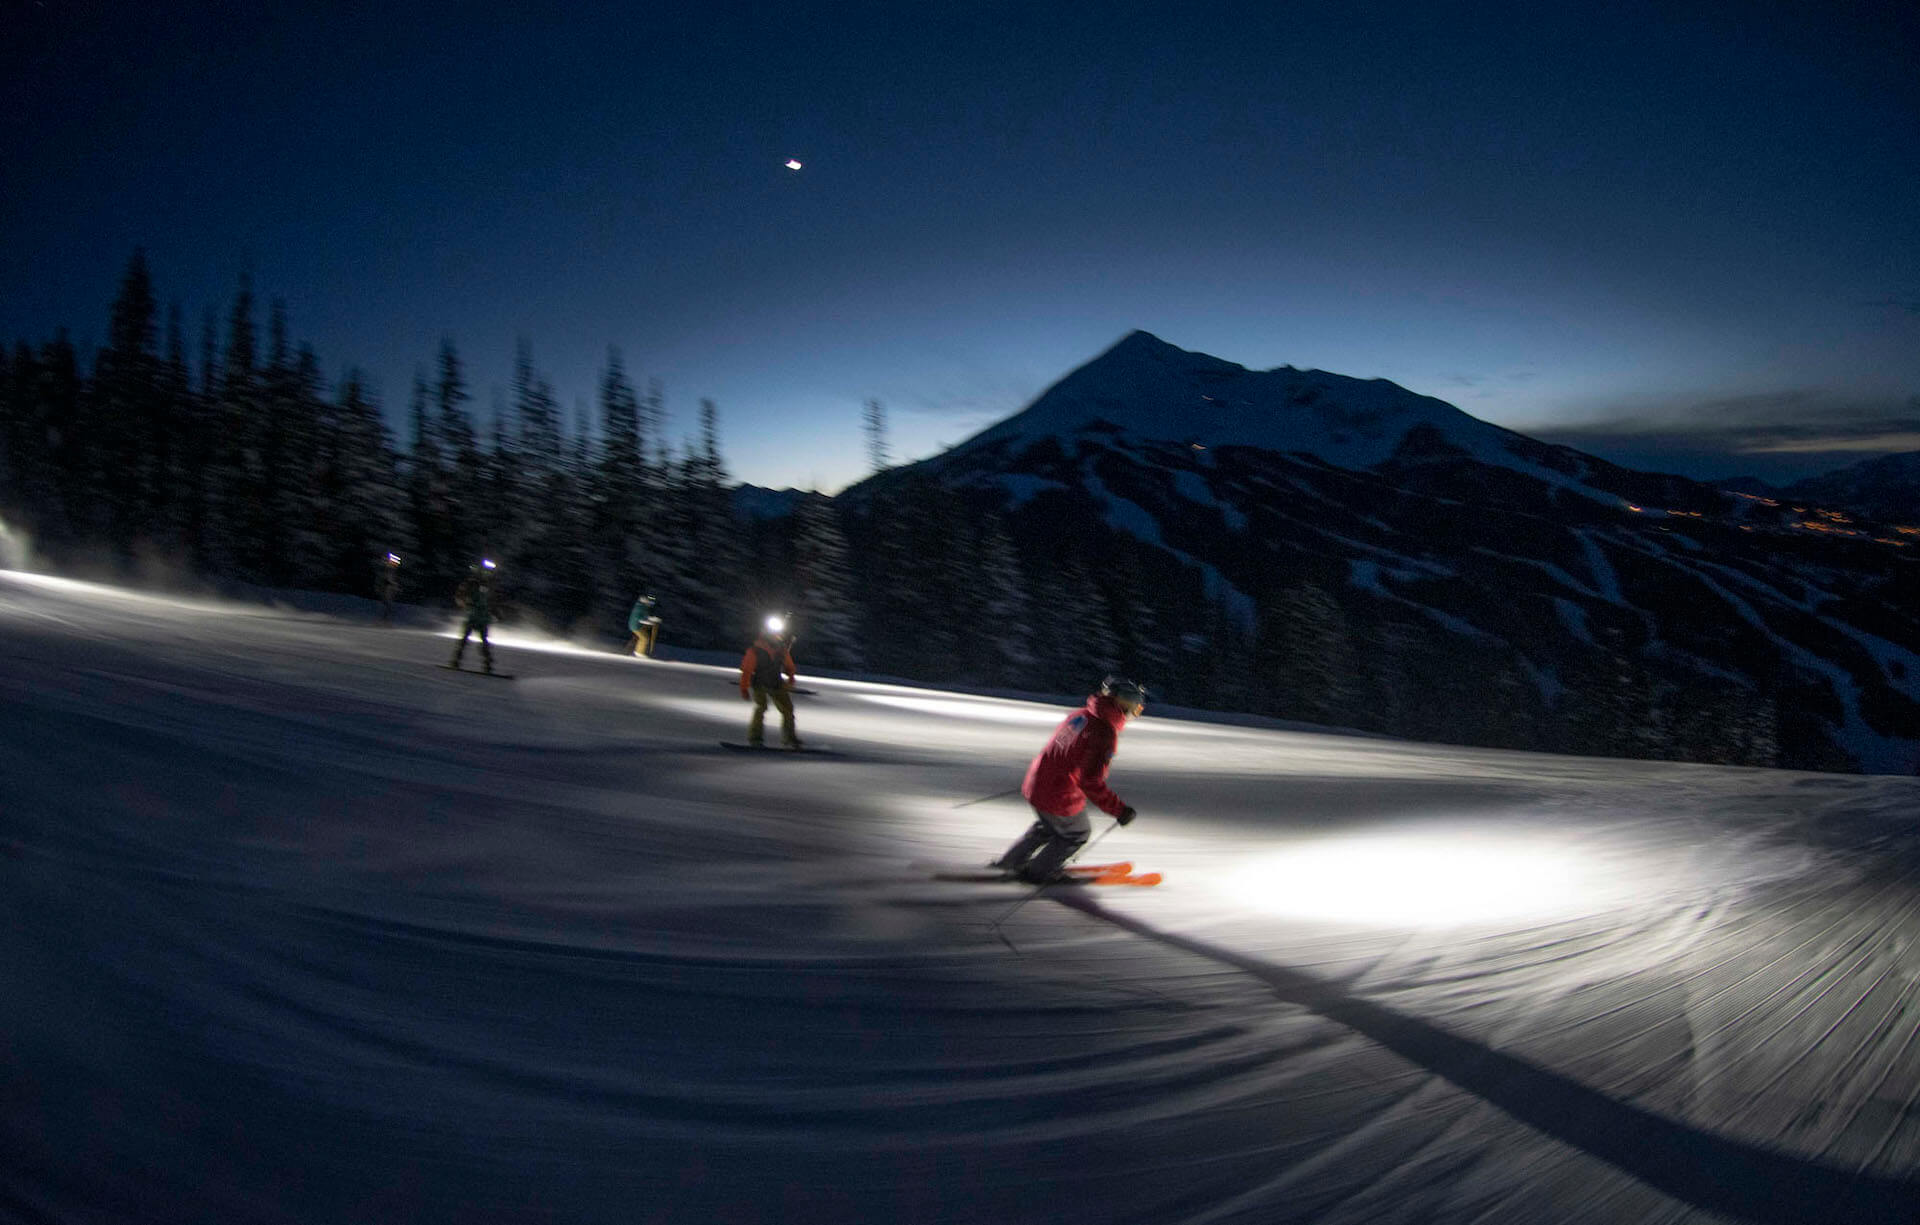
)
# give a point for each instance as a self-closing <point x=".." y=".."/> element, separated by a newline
<point x="1072" y="769"/>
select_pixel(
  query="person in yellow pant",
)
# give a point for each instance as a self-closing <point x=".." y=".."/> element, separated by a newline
<point x="644" y="626"/>
<point x="767" y="675"/>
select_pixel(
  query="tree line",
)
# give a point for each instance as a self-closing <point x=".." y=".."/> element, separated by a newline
<point x="229" y="457"/>
<point x="232" y="459"/>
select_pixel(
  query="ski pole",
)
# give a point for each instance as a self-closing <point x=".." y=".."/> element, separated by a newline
<point x="983" y="799"/>
<point x="995" y="925"/>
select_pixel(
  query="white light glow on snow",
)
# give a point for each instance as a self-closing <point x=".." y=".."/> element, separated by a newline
<point x="13" y="548"/>
<point x="526" y="641"/>
<point x="995" y="712"/>
<point x="1427" y="879"/>
<point x="101" y="591"/>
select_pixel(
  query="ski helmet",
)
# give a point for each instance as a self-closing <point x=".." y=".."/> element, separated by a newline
<point x="1125" y="692"/>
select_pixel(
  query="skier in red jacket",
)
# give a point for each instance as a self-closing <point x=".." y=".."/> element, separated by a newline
<point x="1071" y="770"/>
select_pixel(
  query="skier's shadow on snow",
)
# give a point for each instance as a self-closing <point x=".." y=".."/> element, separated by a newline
<point x="1707" y="1171"/>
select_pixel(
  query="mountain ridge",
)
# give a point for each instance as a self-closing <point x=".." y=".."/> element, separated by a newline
<point x="1443" y="555"/>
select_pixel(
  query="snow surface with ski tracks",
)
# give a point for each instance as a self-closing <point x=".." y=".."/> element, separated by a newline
<point x="300" y="926"/>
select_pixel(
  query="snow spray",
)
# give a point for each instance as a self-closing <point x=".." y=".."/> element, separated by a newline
<point x="14" y="550"/>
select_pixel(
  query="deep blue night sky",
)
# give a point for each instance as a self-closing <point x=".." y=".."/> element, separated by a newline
<point x="1668" y="234"/>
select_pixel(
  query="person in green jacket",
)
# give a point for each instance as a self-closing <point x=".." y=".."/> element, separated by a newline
<point x="476" y="596"/>
<point x="644" y="626"/>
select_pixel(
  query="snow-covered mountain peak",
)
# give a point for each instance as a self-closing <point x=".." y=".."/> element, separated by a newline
<point x="1153" y="391"/>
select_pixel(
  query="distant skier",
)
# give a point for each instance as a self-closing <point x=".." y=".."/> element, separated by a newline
<point x="644" y="626"/>
<point x="475" y="595"/>
<point x="389" y="585"/>
<point x="1071" y="770"/>
<point x="767" y="675"/>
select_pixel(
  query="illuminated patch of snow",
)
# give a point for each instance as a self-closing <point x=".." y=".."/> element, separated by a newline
<point x="1434" y="878"/>
<point x="961" y="708"/>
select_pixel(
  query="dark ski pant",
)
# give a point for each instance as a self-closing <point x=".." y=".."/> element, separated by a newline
<point x="782" y="702"/>
<point x="486" y="650"/>
<point x="1047" y="846"/>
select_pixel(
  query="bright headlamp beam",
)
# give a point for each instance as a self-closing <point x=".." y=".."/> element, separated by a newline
<point x="1429" y="878"/>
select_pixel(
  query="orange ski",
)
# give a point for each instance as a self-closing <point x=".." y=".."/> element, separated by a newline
<point x="1122" y="878"/>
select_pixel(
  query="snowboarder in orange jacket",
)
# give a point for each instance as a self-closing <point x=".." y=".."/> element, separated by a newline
<point x="767" y="675"/>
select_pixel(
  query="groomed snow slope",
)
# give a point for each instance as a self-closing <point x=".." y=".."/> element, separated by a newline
<point x="300" y="927"/>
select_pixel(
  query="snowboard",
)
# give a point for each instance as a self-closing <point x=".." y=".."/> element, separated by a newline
<point x="738" y="747"/>
<point x="499" y="676"/>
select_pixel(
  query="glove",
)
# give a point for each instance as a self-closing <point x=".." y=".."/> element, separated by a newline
<point x="1126" y="815"/>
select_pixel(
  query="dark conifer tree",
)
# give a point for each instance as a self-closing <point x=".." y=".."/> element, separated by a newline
<point x="501" y="492"/>
<point x="202" y="450"/>
<point x="301" y="412"/>
<point x="168" y="517"/>
<point x="285" y="407"/>
<point x="567" y="558"/>
<point x="436" y="568"/>
<point x="460" y="457"/>
<point x="889" y="580"/>
<point x="823" y="586"/>
<point x="57" y="390"/>
<point x="542" y="512"/>
<point x="372" y="509"/>
<point x="1214" y="663"/>
<point x="36" y="495"/>
<point x="874" y="420"/>
<point x="1304" y="656"/>
<point x="238" y="480"/>
<point x="9" y="435"/>
<point x="119" y="480"/>
<point x="710" y="579"/>
<point x="1615" y="708"/>
<point x="620" y="510"/>
<point x="1077" y="640"/>
<point x="1001" y="621"/>
<point x="539" y="418"/>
